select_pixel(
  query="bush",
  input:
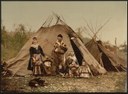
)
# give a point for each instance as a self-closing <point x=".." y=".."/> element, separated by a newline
<point x="13" y="41"/>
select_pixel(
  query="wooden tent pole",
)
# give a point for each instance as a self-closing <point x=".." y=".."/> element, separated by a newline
<point x="45" y="21"/>
<point x="102" y="26"/>
<point x="116" y="69"/>
<point x="50" y="21"/>
<point x="123" y="68"/>
<point x="91" y="30"/>
<point x="90" y="70"/>
<point x="87" y="31"/>
<point x="116" y="52"/>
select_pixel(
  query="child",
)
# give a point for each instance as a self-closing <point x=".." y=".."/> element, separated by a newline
<point x="37" y="64"/>
<point x="71" y="65"/>
<point x="73" y="69"/>
<point x="84" y="70"/>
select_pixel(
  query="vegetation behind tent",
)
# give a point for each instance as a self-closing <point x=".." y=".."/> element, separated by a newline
<point x="12" y="41"/>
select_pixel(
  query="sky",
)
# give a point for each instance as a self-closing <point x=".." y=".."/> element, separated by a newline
<point x="33" y="14"/>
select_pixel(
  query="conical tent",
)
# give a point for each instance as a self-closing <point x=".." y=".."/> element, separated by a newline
<point x="46" y="37"/>
<point x="110" y="61"/>
<point x="107" y="59"/>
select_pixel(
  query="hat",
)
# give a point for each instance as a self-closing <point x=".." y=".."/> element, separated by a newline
<point x="60" y="36"/>
<point x="34" y="37"/>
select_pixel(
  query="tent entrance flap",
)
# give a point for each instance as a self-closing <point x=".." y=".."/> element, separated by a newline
<point x="107" y="63"/>
<point x="77" y="52"/>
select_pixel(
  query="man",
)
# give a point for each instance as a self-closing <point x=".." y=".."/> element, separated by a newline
<point x="58" y="53"/>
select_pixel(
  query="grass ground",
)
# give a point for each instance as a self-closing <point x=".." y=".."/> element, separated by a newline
<point x="111" y="82"/>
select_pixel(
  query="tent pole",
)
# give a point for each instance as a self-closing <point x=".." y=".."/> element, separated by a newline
<point x="116" y="52"/>
<point x="90" y="71"/>
<point x="117" y="69"/>
<point x="123" y="68"/>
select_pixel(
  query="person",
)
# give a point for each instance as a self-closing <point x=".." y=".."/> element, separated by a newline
<point x="47" y="62"/>
<point x="59" y="51"/>
<point x="84" y="70"/>
<point x="72" y="65"/>
<point x="4" y="70"/>
<point x="35" y="60"/>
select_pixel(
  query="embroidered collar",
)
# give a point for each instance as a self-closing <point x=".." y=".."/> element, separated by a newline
<point x="60" y="43"/>
<point x="35" y="46"/>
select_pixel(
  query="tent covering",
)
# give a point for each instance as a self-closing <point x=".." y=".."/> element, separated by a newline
<point x="46" y="37"/>
<point x="110" y="61"/>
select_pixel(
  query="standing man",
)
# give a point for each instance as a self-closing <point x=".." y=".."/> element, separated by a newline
<point x="59" y="52"/>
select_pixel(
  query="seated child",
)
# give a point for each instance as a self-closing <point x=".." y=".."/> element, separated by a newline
<point x="84" y="70"/>
<point x="71" y="65"/>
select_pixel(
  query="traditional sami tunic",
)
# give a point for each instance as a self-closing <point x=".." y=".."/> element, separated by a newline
<point x="35" y="59"/>
<point x="58" y="53"/>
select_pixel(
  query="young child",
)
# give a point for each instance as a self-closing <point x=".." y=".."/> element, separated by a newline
<point x="84" y="70"/>
<point x="37" y="64"/>
<point x="73" y="70"/>
<point x="47" y="64"/>
<point x="72" y="66"/>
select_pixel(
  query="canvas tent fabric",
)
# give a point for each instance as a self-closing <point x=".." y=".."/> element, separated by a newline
<point x="46" y="37"/>
<point x="107" y="59"/>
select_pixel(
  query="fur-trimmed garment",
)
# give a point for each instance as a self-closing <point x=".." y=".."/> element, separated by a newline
<point x="35" y="60"/>
<point x="60" y="47"/>
<point x="58" y="53"/>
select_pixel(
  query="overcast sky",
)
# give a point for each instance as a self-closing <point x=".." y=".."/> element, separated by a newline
<point x="33" y="14"/>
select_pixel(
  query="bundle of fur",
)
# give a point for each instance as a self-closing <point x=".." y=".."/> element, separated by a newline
<point x="4" y="70"/>
<point x="36" y="82"/>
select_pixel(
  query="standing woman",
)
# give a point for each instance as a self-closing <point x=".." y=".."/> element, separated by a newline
<point x="36" y="54"/>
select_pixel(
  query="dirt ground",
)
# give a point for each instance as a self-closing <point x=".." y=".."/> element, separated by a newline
<point x="110" y="82"/>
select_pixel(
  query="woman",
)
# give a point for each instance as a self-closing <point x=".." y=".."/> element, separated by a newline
<point x="35" y="57"/>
